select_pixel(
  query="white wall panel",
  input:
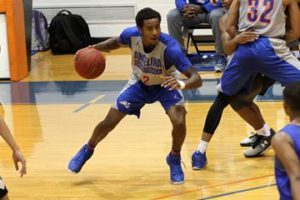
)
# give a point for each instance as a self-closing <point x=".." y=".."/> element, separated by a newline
<point x="4" y="57"/>
<point x="101" y="27"/>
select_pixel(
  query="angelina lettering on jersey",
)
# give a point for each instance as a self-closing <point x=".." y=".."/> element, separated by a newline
<point x="147" y="64"/>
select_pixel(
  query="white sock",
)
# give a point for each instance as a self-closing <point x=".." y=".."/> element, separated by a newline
<point x="265" y="130"/>
<point x="202" y="146"/>
<point x="260" y="131"/>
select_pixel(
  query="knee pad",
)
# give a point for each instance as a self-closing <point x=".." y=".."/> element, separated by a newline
<point x="238" y="103"/>
<point x="215" y="113"/>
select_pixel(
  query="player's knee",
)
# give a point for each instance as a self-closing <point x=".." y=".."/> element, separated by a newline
<point x="221" y="100"/>
<point x="106" y="125"/>
<point x="177" y="115"/>
<point x="172" y="16"/>
<point x="238" y="104"/>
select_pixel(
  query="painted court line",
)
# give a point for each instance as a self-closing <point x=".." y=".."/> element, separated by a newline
<point x="238" y="191"/>
<point x="213" y="186"/>
<point x="89" y="103"/>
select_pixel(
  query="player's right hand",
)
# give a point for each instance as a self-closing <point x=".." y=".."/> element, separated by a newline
<point x="169" y="82"/>
<point x="18" y="157"/>
<point x="246" y="36"/>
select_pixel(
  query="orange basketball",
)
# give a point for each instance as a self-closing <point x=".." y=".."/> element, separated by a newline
<point x="89" y="63"/>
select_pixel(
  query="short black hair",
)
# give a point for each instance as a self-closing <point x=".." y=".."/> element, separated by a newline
<point x="146" y="13"/>
<point x="291" y="95"/>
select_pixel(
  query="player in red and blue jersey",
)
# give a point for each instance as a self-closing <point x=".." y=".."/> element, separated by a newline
<point x="156" y="62"/>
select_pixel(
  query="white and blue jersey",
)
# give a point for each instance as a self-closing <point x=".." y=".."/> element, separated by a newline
<point x="148" y="65"/>
<point x="268" y="55"/>
<point x="282" y="179"/>
<point x="266" y="17"/>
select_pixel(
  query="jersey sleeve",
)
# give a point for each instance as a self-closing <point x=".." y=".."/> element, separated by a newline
<point x="174" y="55"/>
<point x="125" y="36"/>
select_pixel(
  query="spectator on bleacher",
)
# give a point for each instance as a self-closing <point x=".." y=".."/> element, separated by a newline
<point x="194" y="12"/>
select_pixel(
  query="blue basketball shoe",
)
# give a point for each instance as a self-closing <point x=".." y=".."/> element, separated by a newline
<point x="221" y="63"/>
<point x="176" y="173"/>
<point x="80" y="158"/>
<point x="199" y="160"/>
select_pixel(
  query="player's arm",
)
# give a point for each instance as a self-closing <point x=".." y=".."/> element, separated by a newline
<point x="230" y="44"/>
<point x="109" y="44"/>
<point x="233" y="16"/>
<point x="17" y="155"/>
<point x="284" y="150"/>
<point x="174" y="56"/>
<point x="293" y="15"/>
<point x="193" y="80"/>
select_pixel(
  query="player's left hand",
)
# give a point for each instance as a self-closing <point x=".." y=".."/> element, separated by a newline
<point x="170" y="81"/>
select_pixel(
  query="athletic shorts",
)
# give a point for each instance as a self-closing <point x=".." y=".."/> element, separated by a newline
<point x="259" y="87"/>
<point x="3" y="189"/>
<point x="135" y="95"/>
<point x="267" y="56"/>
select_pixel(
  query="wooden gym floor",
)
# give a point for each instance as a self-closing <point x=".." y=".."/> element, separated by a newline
<point x="53" y="112"/>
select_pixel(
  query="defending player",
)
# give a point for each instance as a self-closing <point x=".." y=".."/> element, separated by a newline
<point x="266" y="55"/>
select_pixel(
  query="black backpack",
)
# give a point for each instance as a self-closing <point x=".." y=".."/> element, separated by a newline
<point x="68" y="33"/>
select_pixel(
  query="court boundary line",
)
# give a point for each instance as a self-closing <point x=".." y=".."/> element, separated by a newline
<point x="238" y="191"/>
<point x="213" y="186"/>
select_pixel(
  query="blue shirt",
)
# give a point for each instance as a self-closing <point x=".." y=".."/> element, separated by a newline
<point x="205" y="3"/>
<point x="282" y="179"/>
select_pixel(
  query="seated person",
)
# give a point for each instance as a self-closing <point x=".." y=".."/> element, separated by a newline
<point x="191" y="13"/>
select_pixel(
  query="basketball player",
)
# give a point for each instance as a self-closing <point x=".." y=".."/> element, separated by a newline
<point x="156" y="57"/>
<point x="286" y="145"/>
<point x="268" y="55"/>
<point x="17" y="155"/>
<point x="242" y="103"/>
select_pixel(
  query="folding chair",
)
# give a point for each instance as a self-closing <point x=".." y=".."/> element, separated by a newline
<point x="196" y="39"/>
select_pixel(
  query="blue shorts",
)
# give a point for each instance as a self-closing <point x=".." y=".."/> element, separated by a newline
<point x="135" y="95"/>
<point x="267" y="56"/>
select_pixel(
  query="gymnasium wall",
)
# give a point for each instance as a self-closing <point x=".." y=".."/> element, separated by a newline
<point x="106" y="18"/>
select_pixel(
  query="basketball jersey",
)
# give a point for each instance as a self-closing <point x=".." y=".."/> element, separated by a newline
<point x="266" y="17"/>
<point x="282" y="179"/>
<point x="164" y="59"/>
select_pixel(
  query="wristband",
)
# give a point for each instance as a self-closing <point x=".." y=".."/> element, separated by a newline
<point x="181" y="84"/>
